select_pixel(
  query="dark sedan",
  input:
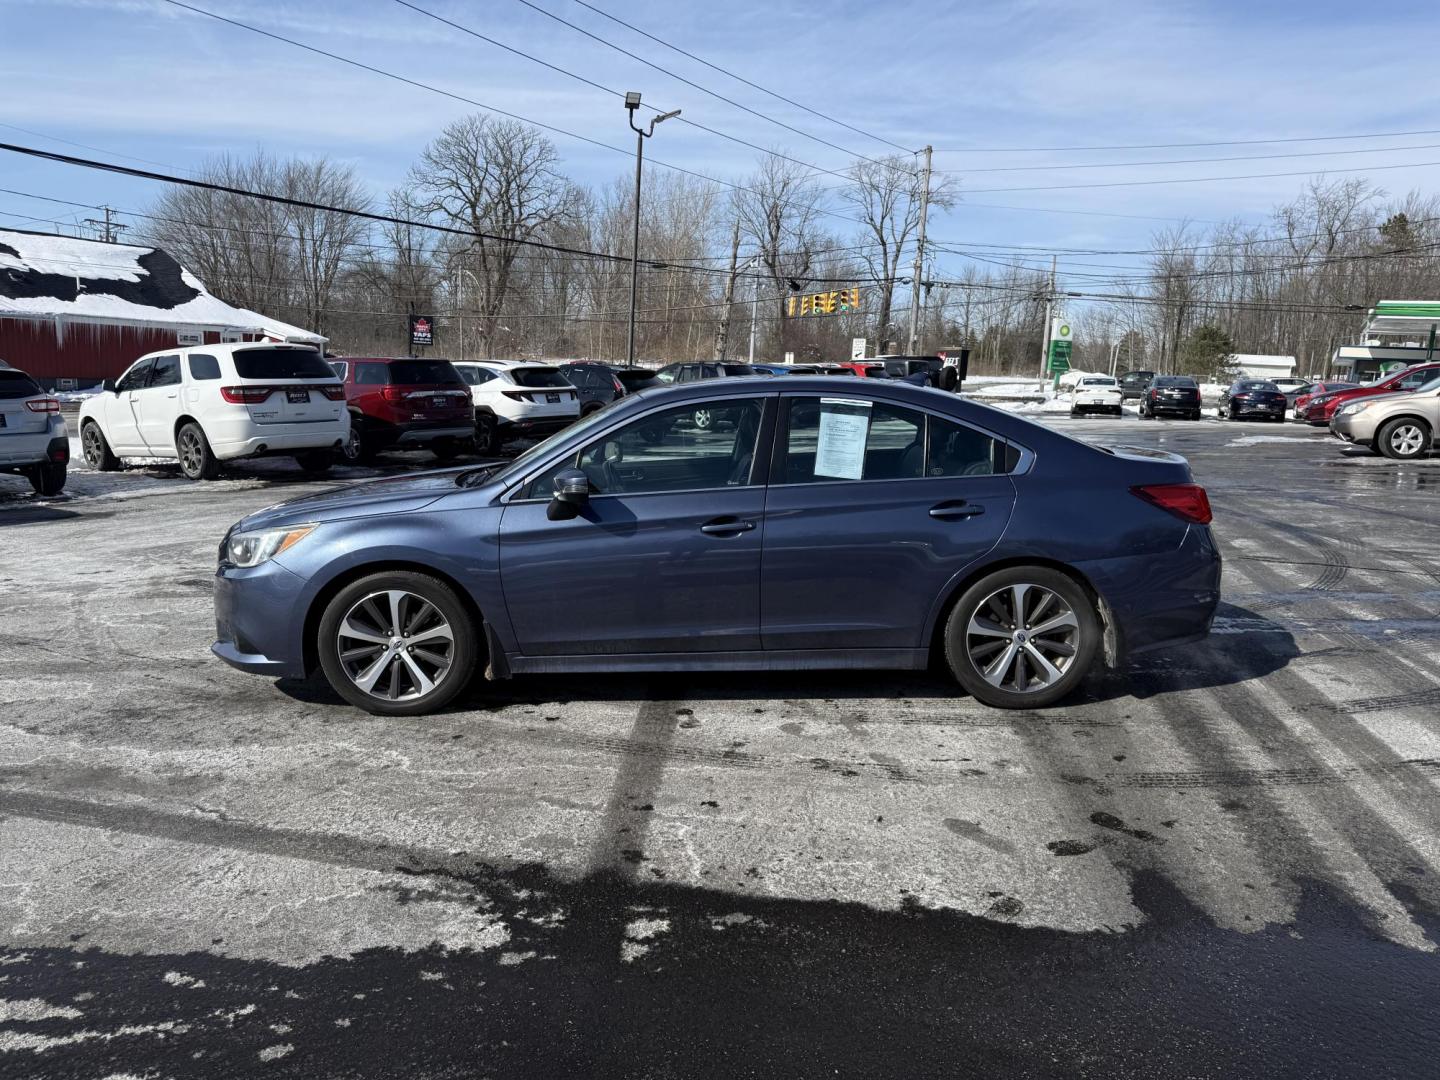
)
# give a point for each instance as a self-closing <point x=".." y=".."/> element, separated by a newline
<point x="1259" y="398"/>
<point x="1171" y="395"/>
<point x="874" y="525"/>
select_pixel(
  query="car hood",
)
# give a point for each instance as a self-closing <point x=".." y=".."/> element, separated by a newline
<point x="390" y="495"/>
<point x="1378" y="399"/>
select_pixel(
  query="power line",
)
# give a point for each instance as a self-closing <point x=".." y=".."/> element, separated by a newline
<point x="1205" y="179"/>
<point x="691" y="83"/>
<point x="1180" y="146"/>
<point x="742" y="79"/>
<point x="1187" y="161"/>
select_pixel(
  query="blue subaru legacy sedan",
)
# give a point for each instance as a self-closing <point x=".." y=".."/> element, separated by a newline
<point x="809" y="524"/>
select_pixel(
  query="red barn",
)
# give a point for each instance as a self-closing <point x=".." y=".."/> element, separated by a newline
<point x="84" y="310"/>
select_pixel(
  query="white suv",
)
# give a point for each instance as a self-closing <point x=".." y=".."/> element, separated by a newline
<point x="33" y="439"/>
<point x="515" y="398"/>
<point x="1095" y="393"/>
<point x="214" y="403"/>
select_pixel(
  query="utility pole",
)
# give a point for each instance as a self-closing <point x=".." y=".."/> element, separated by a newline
<point x="1049" y="307"/>
<point x="919" y="259"/>
<point x="109" y="230"/>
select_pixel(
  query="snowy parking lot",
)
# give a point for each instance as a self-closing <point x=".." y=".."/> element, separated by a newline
<point x="222" y="874"/>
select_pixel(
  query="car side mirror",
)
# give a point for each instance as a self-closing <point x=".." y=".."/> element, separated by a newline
<point x="109" y="386"/>
<point x="572" y="491"/>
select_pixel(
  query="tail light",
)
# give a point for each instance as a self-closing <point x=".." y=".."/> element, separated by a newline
<point x="334" y="393"/>
<point x="1188" y="502"/>
<point x="1154" y="394"/>
<point x="44" y="404"/>
<point x="392" y="393"/>
<point x="516" y="395"/>
<point x="246" y="395"/>
<point x="619" y="386"/>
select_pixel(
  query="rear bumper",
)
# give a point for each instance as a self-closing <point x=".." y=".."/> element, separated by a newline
<point x="35" y="447"/>
<point x="537" y="425"/>
<point x="1243" y="409"/>
<point x="255" y="439"/>
<point x="1162" y="599"/>
<point x="413" y="436"/>
<point x="1170" y="408"/>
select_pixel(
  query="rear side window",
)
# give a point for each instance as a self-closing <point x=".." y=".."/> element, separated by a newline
<point x="740" y="369"/>
<point x="340" y="367"/>
<point x="16" y="384"/>
<point x="415" y="372"/>
<point x="266" y="364"/>
<point x="538" y="377"/>
<point x="833" y="439"/>
<point x="203" y="367"/>
<point x="166" y="371"/>
<point x="372" y="374"/>
<point x="957" y="450"/>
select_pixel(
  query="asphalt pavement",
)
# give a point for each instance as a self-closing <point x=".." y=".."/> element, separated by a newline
<point x="1222" y="861"/>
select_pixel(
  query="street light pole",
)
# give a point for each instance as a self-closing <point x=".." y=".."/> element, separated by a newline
<point x="632" y="102"/>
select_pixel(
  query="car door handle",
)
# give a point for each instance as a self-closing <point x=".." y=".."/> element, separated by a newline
<point x="954" y="510"/>
<point x="726" y="527"/>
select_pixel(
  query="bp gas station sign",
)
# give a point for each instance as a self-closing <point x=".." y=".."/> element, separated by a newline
<point x="1058" y="360"/>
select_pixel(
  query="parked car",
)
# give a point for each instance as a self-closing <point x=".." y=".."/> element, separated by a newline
<point x="518" y="399"/>
<point x="1302" y="396"/>
<point x="404" y="402"/>
<point x="1253" y="397"/>
<point x="34" y="441"/>
<point x="1321" y="408"/>
<point x="1290" y="384"/>
<point x="882" y="530"/>
<point x="1096" y="393"/>
<point x="866" y="369"/>
<point x="599" y="384"/>
<point x="677" y="374"/>
<point x="1170" y="395"/>
<point x="803" y="369"/>
<point x="209" y="404"/>
<point x="1401" y="425"/>
<point x="1134" y="383"/>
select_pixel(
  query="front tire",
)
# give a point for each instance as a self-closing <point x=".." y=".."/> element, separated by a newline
<point x="316" y="462"/>
<point x="47" y="478"/>
<point x="197" y="460"/>
<point x="398" y="643"/>
<point x="1022" y="638"/>
<point x="96" y="450"/>
<point x="1404" y="439"/>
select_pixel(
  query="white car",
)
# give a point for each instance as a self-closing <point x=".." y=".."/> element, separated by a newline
<point x="1095" y="393"/>
<point x="33" y="438"/>
<point x="515" y="398"/>
<point x="212" y="403"/>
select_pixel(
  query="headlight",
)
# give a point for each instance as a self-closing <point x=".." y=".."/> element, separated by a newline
<point x="252" y="548"/>
<point x="1352" y="409"/>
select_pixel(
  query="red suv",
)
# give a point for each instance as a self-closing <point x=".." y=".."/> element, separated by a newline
<point x="1321" y="407"/>
<point x="395" y="401"/>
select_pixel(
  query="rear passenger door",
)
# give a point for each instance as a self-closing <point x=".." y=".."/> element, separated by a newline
<point x="872" y="511"/>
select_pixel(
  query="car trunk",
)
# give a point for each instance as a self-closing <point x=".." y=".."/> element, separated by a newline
<point x="287" y="386"/>
<point x="543" y="387"/>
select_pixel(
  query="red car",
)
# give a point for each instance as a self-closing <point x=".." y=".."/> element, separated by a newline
<point x="405" y="402"/>
<point x="1315" y="389"/>
<point x="870" y="369"/>
<point x="1319" y="408"/>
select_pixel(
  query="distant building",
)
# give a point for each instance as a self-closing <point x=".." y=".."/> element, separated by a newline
<point x="1263" y="366"/>
<point x="1397" y="333"/>
<point x="81" y="310"/>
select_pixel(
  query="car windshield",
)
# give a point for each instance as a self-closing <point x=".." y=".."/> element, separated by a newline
<point x="415" y="372"/>
<point x="1175" y="380"/>
<point x="537" y="377"/>
<point x="16" y="384"/>
<point x="1433" y="384"/>
<point x="282" y="364"/>
<point x="1097" y="382"/>
<point x="1257" y="384"/>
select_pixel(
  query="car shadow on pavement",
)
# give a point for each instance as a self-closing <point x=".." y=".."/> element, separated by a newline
<point x="1243" y="645"/>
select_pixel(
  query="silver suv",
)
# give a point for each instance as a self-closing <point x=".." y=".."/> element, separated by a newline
<point x="1402" y="426"/>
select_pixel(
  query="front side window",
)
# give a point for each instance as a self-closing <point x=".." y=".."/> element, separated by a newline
<point x="831" y="439"/>
<point x="202" y="367"/>
<point x="666" y="451"/>
<point x="134" y="379"/>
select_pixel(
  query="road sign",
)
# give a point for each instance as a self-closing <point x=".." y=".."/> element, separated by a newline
<point x="857" y="348"/>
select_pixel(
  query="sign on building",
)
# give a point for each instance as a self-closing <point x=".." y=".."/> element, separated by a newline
<point x="230" y="337"/>
<point x="422" y="331"/>
<point x="189" y="337"/>
<point x="834" y="302"/>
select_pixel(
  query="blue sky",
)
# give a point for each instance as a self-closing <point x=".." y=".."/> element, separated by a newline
<point x="145" y="79"/>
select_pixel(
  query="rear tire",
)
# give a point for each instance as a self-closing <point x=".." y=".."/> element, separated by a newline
<point x="487" y="435"/>
<point x="591" y="407"/>
<point x="197" y="460"/>
<point x="315" y="463"/>
<point x="445" y="449"/>
<point x="96" y="450"/>
<point x="1042" y="655"/>
<point x="426" y="603"/>
<point x="1404" y="439"/>
<point x="47" y="478"/>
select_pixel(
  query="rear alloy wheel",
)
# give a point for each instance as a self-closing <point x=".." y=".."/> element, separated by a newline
<point x="487" y="434"/>
<point x="197" y="460"/>
<point x="1022" y="638"/>
<point x="1404" y="439"/>
<point x="316" y="462"/>
<point x="47" y="478"/>
<point x="704" y="419"/>
<point x="398" y="643"/>
<point x="96" y="449"/>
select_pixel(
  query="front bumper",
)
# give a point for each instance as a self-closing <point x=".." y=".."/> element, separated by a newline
<point x="259" y="619"/>
<point x="1353" y="428"/>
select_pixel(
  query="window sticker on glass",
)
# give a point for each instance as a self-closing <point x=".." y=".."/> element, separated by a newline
<point x="844" y="427"/>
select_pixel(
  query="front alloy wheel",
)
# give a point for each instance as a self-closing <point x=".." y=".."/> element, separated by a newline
<point x="397" y="643"/>
<point x="704" y="419"/>
<point x="1404" y="439"/>
<point x="1022" y="638"/>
